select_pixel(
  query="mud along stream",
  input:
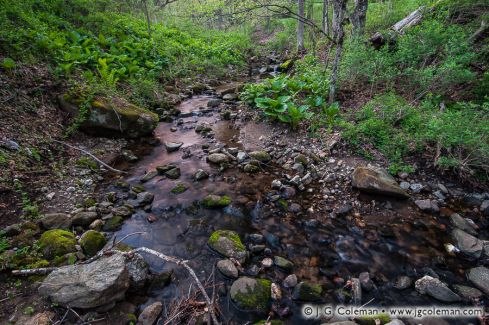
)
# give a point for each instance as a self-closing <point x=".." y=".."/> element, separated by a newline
<point x="330" y="232"/>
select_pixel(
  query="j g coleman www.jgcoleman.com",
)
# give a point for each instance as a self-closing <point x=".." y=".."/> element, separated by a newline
<point x="327" y="311"/>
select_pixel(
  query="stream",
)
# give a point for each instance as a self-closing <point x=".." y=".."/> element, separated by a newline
<point x="326" y="249"/>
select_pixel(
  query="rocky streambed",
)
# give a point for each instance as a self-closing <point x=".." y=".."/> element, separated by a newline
<point x="270" y="219"/>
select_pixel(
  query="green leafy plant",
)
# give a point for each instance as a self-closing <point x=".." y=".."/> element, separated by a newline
<point x="8" y="63"/>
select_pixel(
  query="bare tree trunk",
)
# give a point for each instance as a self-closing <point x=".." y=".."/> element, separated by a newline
<point x="146" y="13"/>
<point x="300" y="28"/>
<point x="325" y="23"/>
<point x="358" y="17"/>
<point x="311" y="33"/>
<point x="339" y="10"/>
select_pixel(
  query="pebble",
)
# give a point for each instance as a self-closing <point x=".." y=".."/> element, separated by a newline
<point x="290" y="281"/>
<point x="267" y="262"/>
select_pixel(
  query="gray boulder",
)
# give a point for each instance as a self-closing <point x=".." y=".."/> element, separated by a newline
<point x="56" y="221"/>
<point x="227" y="268"/>
<point x="376" y="181"/>
<point x="462" y="223"/>
<point x="112" y="117"/>
<point x="99" y="283"/>
<point x="150" y="314"/>
<point x="251" y="294"/>
<point x="479" y="276"/>
<point x="228" y="244"/>
<point x="468" y="244"/>
<point x="436" y="289"/>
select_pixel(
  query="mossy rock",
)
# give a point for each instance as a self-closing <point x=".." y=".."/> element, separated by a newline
<point x="179" y="189"/>
<point x="261" y="156"/>
<point x="111" y="116"/>
<point x="270" y="322"/>
<point x="67" y="259"/>
<point x="227" y="243"/>
<point x="113" y="223"/>
<point x="306" y="291"/>
<point x="57" y="242"/>
<point x="371" y="320"/>
<point x="92" y="242"/>
<point x="216" y="201"/>
<point x="251" y="294"/>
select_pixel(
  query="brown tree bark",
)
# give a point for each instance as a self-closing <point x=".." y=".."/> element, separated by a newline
<point x="325" y="24"/>
<point x="358" y="17"/>
<point x="339" y="11"/>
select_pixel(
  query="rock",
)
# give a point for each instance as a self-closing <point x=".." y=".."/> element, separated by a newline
<point x="250" y="168"/>
<point x="427" y="205"/>
<point x="468" y="293"/>
<point x="114" y="223"/>
<point x="150" y="314"/>
<point x="416" y="187"/>
<point x="57" y="242"/>
<point x="227" y="243"/>
<point x="112" y="117"/>
<point x="215" y="201"/>
<point x="288" y="192"/>
<point x="365" y="281"/>
<point x="129" y="156"/>
<point x="376" y="181"/>
<point x="295" y="208"/>
<point x="218" y="158"/>
<point x="467" y="244"/>
<point x="276" y="184"/>
<point x="227" y="268"/>
<point x="148" y="176"/>
<point x="306" y="291"/>
<point x="276" y="292"/>
<point x="173" y="146"/>
<point x="43" y="318"/>
<point x="96" y="225"/>
<point x="173" y="173"/>
<point x="10" y="145"/>
<point x="229" y="97"/>
<point x="436" y="289"/>
<point x="145" y="198"/>
<point x="179" y="189"/>
<point x="92" y="242"/>
<point x="356" y="291"/>
<point x="301" y="159"/>
<point x="405" y="185"/>
<point x="56" y="221"/>
<point x="395" y="322"/>
<point x="214" y="102"/>
<point x="251" y="294"/>
<point x="461" y="223"/>
<point x="138" y="271"/>
<point x="345" y="322"/>
<point x="479" y="276"/>
<point x="267" y="262"/>
<point x="261" y="156"/>
<point x="99" y="283"/>
<point x="241" y="156"/>
<point x="84" y="219"/>
<point x="12" y="230"/>
<point x="257" y="238"/>
<point x="403" y="282"/>
<point x="50" y="196"/>
<point x="283" y="263"/>
<point x="290" y="281"/>
<point x="122" y="211"/>
<point x="200" y="175"/>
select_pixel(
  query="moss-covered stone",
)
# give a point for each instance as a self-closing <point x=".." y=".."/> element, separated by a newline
<point x="251" y="294"/>
<point x="216" y="201"/>
<point x="227" y="243"/>
<point x="261" y="156"/>
<point x="371" y="320"/>
<point x="57" y="242"/>
<point x="180" y="188"/>
<point x="270" y="322"/>
<point x="91" y="242"/>
<point x="306" y="291"/>
<point x="111" y="116"/>
<point x="113" y="223"/>
<point x="67" y="259"/>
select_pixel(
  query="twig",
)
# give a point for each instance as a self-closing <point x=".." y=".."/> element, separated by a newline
<point x="91" y="156"/>
<point x="7" y="298"/>
<point x="38" y="271"/>
<point x="190" y="271"/>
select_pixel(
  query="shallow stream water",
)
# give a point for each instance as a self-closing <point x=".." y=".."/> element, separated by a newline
<point x="393" y="242"/>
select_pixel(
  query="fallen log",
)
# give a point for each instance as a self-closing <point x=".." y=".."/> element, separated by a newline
<point x="378" y="39"/>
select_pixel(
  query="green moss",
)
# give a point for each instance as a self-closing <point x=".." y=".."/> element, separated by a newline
<point x="231" y="235"/>
<point x="307" y="291"/>
<point x="113" y="223"/>
<point x="67" y="259"/>
<point x="216" y="201"/>
<point x="180" y="188"/>
<point x="122" y="247"/>
<point x="131" y="319"/>
<point x="256" y="298"/>
<point x="371" y="320"/>
<point x="138" y="188"/>
<point x="91" y="242"/>
<point x="270" y="322"/>
<point x="38" y="264"/>
<point x="89" y="202"/>
<point x="57" y="242"/>
<point x="87" y="162"/>
<point x="283" y="204"/>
